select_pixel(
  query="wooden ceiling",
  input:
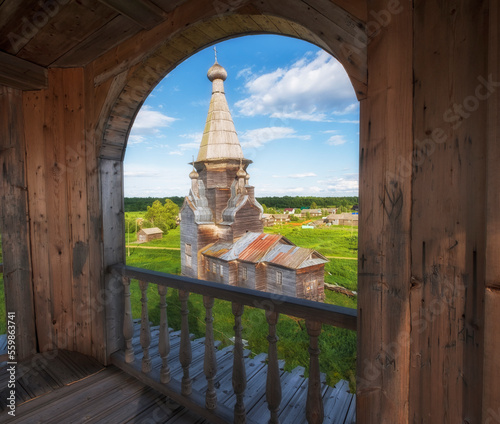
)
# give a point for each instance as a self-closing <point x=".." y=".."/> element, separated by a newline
<point x="36" y="35"/>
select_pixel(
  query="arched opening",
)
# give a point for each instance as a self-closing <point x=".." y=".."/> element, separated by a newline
<point x="131" y="89"/>
<point x="305" y="127"/>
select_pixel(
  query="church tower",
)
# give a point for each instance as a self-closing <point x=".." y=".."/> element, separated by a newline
<point x="221" y="205"/>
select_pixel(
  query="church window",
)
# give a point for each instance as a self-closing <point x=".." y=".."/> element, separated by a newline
<point x="221" y="270"/>
<point x="187" y="251"/>
<point x="214" y="267"/>
<point x="279" y="278"/>
<point x="244" y="273"/>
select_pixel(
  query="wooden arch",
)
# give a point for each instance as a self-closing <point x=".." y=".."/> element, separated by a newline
<point x="335" y="30"/>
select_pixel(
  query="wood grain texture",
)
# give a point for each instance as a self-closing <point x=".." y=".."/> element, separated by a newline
<point x="385" y="217"/>
<point x="14" y="222"/>
<point x="21" y="74"/>
<point x="37" y="169"/>
<point x="448" y="254"/>
<point x="491" y="371"/>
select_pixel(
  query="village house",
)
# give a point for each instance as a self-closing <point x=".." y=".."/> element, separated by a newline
<point x="73" y="77"/>
<point x="280" y="218"/>
<point x="350" y="219"/>
<point x="268" y="219"/>
<point x="222" y="237"/>
<point x="149" y="234"/>
<point x="289" y="210"/>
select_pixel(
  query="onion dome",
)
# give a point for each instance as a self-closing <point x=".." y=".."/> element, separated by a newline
<point x="216" y="72"/>
<point x="241" y="173"/>
<point x="194" y="175"/>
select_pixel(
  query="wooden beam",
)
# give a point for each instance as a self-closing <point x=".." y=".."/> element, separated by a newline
<point x="143" y="12"/>
<point x="21" y="74"/>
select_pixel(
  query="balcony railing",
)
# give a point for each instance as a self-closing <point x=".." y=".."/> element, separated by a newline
<point x="315" y="314"/>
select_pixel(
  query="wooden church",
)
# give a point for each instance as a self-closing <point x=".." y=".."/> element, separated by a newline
<point x="73" y="76"/>
<point x="222" y="236"/>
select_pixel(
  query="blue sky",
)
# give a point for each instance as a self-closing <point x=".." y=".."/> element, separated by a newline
<point x="293" y="107"/>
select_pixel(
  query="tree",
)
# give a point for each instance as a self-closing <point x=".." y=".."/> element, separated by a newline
<point x="163" y="216"/>
<point x="314" y="205"/>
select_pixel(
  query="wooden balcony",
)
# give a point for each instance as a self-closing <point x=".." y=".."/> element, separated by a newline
<point x="165" y="376"/>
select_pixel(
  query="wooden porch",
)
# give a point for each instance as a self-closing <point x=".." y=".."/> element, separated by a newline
<point x="62" y="386"/>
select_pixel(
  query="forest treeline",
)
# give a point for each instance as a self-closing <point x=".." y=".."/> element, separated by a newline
<point x="136" y="204"/>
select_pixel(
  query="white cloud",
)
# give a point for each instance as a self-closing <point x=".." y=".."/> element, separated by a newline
<point x="188" y="146"/>
<point x="142" y="174"/>
<point x="194" y="141"/>
<point x="336" y="140"/>
<point x="344" y="185"/>
<point x="135" y="139"/>
<point x="310" y="89"/>
<point x="295" y="190"/>
<point x="260" y="136"/>
<point x="346" y="121"/>
<point x="303" y="175"/>
<point x="149" y="121"/>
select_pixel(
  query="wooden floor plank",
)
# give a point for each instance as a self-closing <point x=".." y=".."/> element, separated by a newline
<point x="70" y="387"/>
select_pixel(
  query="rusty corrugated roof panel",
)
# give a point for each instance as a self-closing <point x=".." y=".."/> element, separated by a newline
<point x="259" y="247"/>
<point x="288" y="256"/>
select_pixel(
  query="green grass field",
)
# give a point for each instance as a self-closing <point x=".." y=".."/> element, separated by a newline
<point x="338" y="346"/>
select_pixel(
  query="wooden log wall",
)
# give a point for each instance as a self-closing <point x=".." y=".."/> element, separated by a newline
<point x="14" y="222"/>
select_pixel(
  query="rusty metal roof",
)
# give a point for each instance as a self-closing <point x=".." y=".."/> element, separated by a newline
<point x="261" y="247"/>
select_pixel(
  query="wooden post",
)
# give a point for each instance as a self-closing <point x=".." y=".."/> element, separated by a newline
<point x="273" y="383"/>
<point x="128" y="324"/>
<point x="314" y="404"/>
<point x="185" y="354"/>
<point x="210" y="364"/>
<point x="239" y="373"/>
<point x="164" y="341"/>
<point x="145" y="330"/>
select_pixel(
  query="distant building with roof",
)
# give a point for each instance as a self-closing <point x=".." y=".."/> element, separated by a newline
<point x="222" y="236"/>
<point x="149" y="234"/>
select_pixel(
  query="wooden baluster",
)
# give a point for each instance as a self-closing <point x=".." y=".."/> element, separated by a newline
<point x="239" y="373"/>
<point x="164" y="342"/>
<point x="128" y="324"/>
<point x="145" y="330"/>
<point x="185" y="354"/>
<point x="210" y="364"/>
<point x="273" y="383"/>
<point x="314" y="404"/>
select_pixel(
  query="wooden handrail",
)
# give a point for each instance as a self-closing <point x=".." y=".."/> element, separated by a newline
<point x="314" y="313"/>
<point x="334" y="315"/>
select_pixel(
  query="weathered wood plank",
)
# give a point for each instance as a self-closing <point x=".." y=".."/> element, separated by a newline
<point x="491" y="372"/>
<point x="34" y="107"/>
<point x="72" y="22"/>
<point x="75" y="161"/>
<point x="143" y="12"/>
<point x="448" y="253"/>
<point x="94" y="99"/>
<point x="111" y="176"/>
<point x="385" y="205"/>
<point x="493" y="152"/>
<point x="14" y="221"/>
<point x="114" y="32"/>
<point x="328" y="314"/>
<point x="21" y="74"/>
